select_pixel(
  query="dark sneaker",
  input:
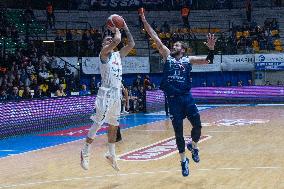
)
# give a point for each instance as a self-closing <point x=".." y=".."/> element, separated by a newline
<point x="194" y="152"/>
<point x="184" y="167"/>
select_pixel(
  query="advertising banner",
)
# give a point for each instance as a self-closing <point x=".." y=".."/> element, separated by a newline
<point x="243" y="62"/>
<point x="155" y="100"/>
<point x="43" y="114"/>
<point x="91" y="65"/>
<point x="269" y="61"/>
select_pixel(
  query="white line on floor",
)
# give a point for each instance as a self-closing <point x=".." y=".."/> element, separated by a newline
<point x="229" y="168"/>
<point x="149" y="130"/>
<point x="266" y="167"/>
<point x="127" y="174"/>
<point x="223" y="131"/>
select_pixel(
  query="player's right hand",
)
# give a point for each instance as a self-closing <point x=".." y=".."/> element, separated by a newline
<point x="142" y="15"/>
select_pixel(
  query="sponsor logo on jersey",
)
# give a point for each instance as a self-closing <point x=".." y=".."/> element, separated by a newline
<point x="158" y="150"/>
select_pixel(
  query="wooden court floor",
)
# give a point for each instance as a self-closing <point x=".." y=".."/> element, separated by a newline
<point x="245" y="151"/>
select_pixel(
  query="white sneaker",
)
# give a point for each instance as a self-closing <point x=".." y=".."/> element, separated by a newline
<point x="112" y="161"/>
<point x="85" y="158"/>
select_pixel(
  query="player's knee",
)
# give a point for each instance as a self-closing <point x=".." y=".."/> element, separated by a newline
<point x="177" y="123"/>
<point x="195" y="121"/>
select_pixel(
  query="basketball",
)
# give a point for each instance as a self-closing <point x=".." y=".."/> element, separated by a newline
<point x="115" y="21"/>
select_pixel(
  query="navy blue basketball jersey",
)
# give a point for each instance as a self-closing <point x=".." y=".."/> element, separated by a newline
<point x="176" y="76"/>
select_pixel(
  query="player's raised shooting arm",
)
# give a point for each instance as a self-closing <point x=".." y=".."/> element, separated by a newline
<point x="163" y="50"/>
<point x="211" y="40"/>
<point x="108" y="48"/>
<point x="130" y="42"/>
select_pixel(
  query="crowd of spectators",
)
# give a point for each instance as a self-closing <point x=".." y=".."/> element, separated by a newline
<point x="247" y="38"/>
<point x="32" y="73"/>
<point x="252" y="38"/>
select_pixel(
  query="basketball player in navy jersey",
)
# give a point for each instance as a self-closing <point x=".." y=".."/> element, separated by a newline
<point x="176" y="85"/>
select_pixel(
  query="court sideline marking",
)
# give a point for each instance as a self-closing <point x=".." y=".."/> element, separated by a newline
<point x="133" y="173"/>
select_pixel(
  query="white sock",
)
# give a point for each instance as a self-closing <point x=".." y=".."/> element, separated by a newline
<point x="182" y="157"/>
<point x="194" y="145"/>
<point x="111" y="149"/>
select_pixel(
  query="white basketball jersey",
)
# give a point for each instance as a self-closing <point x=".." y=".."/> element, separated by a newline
<point x="111" y="71"/>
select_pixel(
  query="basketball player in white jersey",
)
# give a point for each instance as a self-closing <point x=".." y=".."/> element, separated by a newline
<point x="108" y="100"/>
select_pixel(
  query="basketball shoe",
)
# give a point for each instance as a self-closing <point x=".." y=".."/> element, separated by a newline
<point x="184" y="167"/>
<point x="85" y="158"/>
<point x="194" y="152"/>
<point x="112" y="161"/>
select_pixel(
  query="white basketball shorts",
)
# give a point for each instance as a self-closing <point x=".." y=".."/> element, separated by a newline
<point x="108" y="106"/>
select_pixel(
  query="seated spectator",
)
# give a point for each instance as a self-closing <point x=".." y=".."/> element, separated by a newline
<point x="28" y="81"/>
<point x="84" y="91"/>
<point x="148" y="85"/>
<point x="40" y="94"/>
<point x="55" y="67"/>
<point x="30" y="69"/>
<point x="67" y="73"/>
<point x="3" y="95"/>
<point x="34" y="83"/>
<point x="137" y="82"/>
<point x="60" y="91"/>
<point x="250" y="82"/>
<point x="27" y="93"/>
<point x="43" y="73"/>
<point x="54" y="83"/>
<point x="240" y="84"/>
<point x="14" y="95"/>
<point x="45" y="58"/>
<point x="45" y="88"/>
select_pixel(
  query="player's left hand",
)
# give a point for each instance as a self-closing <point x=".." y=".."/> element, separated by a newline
<point x="125" y="27"/>
<point x="211" y="40"/>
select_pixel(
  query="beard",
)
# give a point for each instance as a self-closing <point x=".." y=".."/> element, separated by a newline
<point x="174" y="53"/>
